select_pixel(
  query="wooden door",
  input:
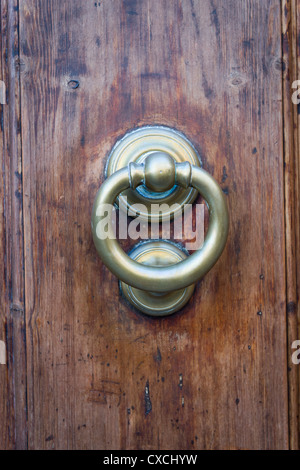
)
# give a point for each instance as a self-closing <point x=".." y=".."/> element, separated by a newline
<point x="83" y="369"/>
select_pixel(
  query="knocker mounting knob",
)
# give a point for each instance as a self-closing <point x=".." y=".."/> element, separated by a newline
<point x="159" y="172"/>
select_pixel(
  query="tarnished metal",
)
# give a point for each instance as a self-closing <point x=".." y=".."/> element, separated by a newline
<point x="135" y="147"/>
<point x="158" y="253"/>
<point x="165" y="275"/>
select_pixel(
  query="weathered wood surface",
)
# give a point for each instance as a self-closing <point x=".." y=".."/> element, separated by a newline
<point x="297" y="197"/>
<point x="295" y="412"/>
<point x="98" y="374"/>
<point x="292" y="213"/>
<point x="13" y="405"/>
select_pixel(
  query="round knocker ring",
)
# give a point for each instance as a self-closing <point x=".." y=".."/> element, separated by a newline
<point x="176" y="274"/>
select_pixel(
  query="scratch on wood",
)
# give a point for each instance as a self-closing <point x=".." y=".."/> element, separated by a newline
<point x="148" y="404"/>
<point x="105" y="392"/>
<point x="180" y="381"/>
<point x="140" y="339"/>
<point x="158" y="357"/>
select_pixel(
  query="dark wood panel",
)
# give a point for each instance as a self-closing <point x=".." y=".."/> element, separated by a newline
<point x="292" y="223"/>
<point x="3" y="297"/>
<point x="297" y="197"/>
<point x="89" y="73"/>
<point x="13" y="405"/>
<point x="296" y="113"/>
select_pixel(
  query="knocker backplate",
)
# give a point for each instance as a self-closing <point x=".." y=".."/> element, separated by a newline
<point x="135" y="146"/>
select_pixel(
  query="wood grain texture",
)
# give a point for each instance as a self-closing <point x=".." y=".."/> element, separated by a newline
<point x="297" y="131"/>
<point x="292" y="220"/>
<point x="296" y="118"/>
<point x="4" y="433"/>
<point x="100" y="375"/>
<point x="12" y="327"/>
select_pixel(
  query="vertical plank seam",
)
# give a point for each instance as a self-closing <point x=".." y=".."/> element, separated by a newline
<point x="22" y="223"/>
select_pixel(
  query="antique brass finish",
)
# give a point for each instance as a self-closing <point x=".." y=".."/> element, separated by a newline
<point x="160" y="171"/>
<point x="135" y="147"/>
<point x="157" y="253"/>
